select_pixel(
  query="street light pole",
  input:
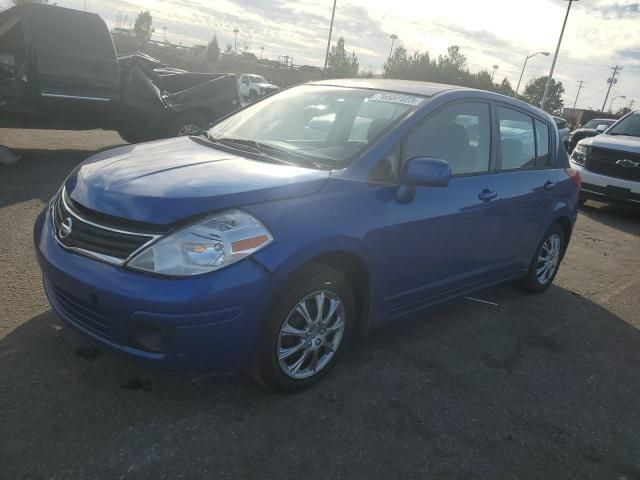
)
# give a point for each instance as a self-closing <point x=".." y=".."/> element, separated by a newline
<point x="546" y="54"/>
<point x="393" y="38"/>
<point x="545" y="95"/>
<point x="235" y="41"/>
<point x="326" y="56"/>
<point x="613" y="99"/>
<point x="495" y="69"/>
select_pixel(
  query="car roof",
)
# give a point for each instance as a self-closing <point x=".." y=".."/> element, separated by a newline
<point x="427" y="89"/>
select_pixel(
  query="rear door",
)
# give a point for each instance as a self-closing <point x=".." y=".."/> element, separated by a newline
<point x="528" y="182"/>
<point x="74" y="59"/>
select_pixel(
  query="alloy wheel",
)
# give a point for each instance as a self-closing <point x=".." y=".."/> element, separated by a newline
<point x="311" y="334"/>
<point x="188" y="129"/>
<point x="548" y="259"/>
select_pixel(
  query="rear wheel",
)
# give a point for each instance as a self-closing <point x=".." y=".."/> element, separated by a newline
<point x="307" y="331"/>
<point x="546" y="261"/>
<point x="186" y="124"/>
<point x="132" y="135"/>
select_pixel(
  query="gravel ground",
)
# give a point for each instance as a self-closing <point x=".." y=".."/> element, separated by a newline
<point x="540" y="386"/>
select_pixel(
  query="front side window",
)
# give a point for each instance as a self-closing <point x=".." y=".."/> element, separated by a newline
<point x="459" y="134"/>
<point x="314" y="124"/>
<point x="517" y="142"/>
<point x="629" y="125"/>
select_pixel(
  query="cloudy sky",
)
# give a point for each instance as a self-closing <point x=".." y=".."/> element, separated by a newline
<point x="599" y="35"/>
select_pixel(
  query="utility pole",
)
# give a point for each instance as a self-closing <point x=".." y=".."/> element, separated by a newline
<point x="235" y="32"/>
<point x="555" y="58"/>
<point x="393" y="38"/>
<point x="631" y="104"/>
<point x="326" y="56"/>
<point x="611" y="81"/>
<point x="578" y="94"/>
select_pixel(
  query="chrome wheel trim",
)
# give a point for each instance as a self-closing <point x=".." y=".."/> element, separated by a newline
<point x="188" y="129"/>
<point x="548" y="259"/>
<point x="311" y="334"/>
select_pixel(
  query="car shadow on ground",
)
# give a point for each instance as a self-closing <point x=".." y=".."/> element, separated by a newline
<point x="620" y="217"/>
<point x="542" y="386"/>
<point x="39" y="173"/>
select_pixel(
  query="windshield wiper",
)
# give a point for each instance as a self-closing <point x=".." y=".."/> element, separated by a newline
<point x="248" y="146"/>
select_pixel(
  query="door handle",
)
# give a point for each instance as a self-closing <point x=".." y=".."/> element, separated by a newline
<point x="487" y="195"/>
<point x="548" y="185"/>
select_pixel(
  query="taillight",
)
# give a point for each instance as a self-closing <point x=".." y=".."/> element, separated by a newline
<point x="574" y="175"/>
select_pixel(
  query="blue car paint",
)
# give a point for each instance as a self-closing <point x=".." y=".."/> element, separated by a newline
<point x="443" y="243"/>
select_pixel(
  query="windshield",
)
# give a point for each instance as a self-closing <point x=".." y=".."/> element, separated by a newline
<point x="593" y="124"/>
<point x="258" y="79"/>
<point x="310" y="125"/>
<point x="629" y="125"/>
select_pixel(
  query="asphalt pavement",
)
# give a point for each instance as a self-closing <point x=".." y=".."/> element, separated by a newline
<point x="537" y="387"/>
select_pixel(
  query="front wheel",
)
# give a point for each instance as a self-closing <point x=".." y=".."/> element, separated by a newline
<point x="545" y="262"/>
<point x="307" y="330"/>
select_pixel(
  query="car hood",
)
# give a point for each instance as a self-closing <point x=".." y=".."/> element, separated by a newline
<point x="266" y="85"/>
<point x="584" y="130"/>
<point x="615" y="142"/>
<point x="168" y="180"/>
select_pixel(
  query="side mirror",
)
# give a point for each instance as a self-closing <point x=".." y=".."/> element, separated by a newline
<point x="426" y="172"/>
<point x="601" y="128"/>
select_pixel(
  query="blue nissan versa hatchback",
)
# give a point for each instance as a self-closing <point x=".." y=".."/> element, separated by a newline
<point x="273" y="238"/>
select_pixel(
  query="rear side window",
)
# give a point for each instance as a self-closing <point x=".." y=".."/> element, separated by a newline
<point x="543" y="159"/>
<point x="517" y="139"/>
<point x="459" y="134"/>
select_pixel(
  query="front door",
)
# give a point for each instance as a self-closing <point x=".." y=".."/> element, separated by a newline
<point x="441" y="241"/>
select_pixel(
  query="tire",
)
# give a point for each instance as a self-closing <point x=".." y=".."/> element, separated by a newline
<point x="582" y="200"/>
<point x="186" y="124"/>
<point x="253" y="95"/>
<point x="308" y="342"/>
<point x="132" y="136"/>
<point x="534" y="281"/>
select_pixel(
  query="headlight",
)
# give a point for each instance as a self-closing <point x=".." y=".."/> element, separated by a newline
<point x="579" y="154"/>
<point x="205" y="246"/>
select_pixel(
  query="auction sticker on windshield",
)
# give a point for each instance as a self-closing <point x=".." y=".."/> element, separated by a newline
<point x="396" y="98"/>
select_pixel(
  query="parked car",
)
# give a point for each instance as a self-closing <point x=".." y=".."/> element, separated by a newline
<point x="253" y="86"/>
<point x="256" y="245"/>
<point x="563" y="129"/>
<point x="609" y="164"/>
<point x="58" y="69"/>
<point x="592" y="128"/>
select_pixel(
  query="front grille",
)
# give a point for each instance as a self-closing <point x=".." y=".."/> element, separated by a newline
<point x="603" y="161"/>
<point x="75" y="232"/>
<point x="83" y="313"/>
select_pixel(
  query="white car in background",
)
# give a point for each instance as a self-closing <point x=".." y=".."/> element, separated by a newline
<point x="609" y="164"/>
<point x="253" y="86"/>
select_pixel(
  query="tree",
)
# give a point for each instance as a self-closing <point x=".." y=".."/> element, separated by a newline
<point x="143" y="26"/>
<point x="535" y="89"/>
<point x="452" y="68"/>
<point x="623" y="111"/>
<point x="228" y="49"/>
<point x="213" y="51"/>
<point x="505" y="88"/>
<point x="339" y="64"/>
